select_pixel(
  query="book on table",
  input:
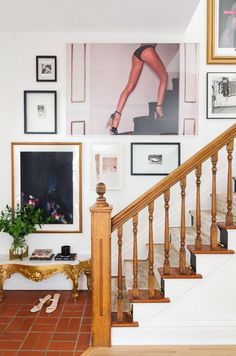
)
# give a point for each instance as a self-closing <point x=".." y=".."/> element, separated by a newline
<point x="42" y="254"/>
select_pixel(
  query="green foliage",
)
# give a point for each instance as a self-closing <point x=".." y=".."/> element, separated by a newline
<point x="20" y="222"/>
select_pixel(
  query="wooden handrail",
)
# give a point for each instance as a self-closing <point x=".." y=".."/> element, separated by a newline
<point x="179" y="173"/>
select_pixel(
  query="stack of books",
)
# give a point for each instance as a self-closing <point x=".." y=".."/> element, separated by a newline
<point x="42" y="255"/>
<point x="70" y="257"/>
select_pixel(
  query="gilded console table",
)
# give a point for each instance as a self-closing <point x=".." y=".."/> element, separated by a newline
<point x="40" y="270"/>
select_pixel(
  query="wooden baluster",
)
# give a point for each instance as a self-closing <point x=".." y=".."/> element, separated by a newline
<point x="182" y="252"/>
<point x="167" y="234"/>
<point x="229" y="215"/>
<point x="135" y="257"/>
<point x="120" y="277"/>
<point x="214" y="159"/>
<point x="151" y="252"/>
<point x="198" y="240"/>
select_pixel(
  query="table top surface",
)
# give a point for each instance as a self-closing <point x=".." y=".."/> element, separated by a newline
<point x="4" y="259"/>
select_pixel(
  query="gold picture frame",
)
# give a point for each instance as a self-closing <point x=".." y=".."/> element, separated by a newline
<point x="219" y="49"/>
<point x="49" y="175"/>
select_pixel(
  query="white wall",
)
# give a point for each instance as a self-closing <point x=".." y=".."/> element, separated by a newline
<point x="17" y="73"/>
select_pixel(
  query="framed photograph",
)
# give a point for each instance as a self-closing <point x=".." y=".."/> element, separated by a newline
<point x="107" y="165"/>
<point x="189" y="126"/>
<point x="101" y="91"/>
<point x="77" y="128"/>
<point x="221" y="95"/>
<point x="40" y="112"/>
<point x="221" y="46"/>
<point x="154" y="159"/>
<point x="49" y="175"/>
<point x="46" y="68"/>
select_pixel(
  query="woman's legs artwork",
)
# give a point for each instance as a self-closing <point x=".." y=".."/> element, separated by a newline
<point x="150" y="57"/>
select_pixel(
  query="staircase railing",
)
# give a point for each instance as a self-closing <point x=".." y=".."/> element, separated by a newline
<point x="103" y="225"/>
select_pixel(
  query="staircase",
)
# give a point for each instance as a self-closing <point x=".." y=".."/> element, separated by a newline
<point x="151" y="125"/>
<point x="183" y="293"/>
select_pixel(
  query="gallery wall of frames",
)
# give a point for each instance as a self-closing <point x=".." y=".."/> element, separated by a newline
<point x="58" y="105"/>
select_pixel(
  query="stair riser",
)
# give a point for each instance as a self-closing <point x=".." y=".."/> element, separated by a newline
<point x="222" y="203"/>
<point x="206" y="226"/>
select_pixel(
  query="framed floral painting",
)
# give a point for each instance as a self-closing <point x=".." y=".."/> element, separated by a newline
<point x="48" y="175"/>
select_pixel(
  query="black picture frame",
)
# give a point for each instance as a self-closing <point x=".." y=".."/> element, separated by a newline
<point x="40" y="112"/>
<point x="154" y="159"/>
<point x="46" y="68"/>
<point x="221" y="95"/>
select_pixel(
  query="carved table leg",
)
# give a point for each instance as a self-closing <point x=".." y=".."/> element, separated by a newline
<point x="1" y="292"/>
<point x="75" y="293"/>
<point x="1" y="283"/>
<point x="89" y="279"/>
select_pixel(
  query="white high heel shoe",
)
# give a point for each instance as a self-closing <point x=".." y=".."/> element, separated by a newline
<point x="42" y="301"/>
<point x="53" y="306"/>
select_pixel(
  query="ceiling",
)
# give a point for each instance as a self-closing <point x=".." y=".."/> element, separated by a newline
<point x="116" y="16"/>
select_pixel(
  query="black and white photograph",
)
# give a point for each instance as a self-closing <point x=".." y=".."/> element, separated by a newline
<point x="221" y="95"/>
<point x="40" y="111"/>
<point x="46" y="68"/>
<point x="154" y="159"/>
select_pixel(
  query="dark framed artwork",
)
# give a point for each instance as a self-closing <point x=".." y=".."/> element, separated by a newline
<point x="46" y="68"/>
<point x="48" y="175"/>
<point x="154" y="159"/>
<point x="221" y="95"/>
<point x="40" y="111"/>
<point x="221" y="34"/>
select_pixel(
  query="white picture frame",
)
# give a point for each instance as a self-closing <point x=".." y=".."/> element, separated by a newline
<point x="107" y="165"/>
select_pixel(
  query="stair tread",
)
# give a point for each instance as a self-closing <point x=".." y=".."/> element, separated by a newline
<point x="174" y="274"/>
<point x="220" y="216"/>
<point x="206" y="249"/>
<point x="143" y="297"/>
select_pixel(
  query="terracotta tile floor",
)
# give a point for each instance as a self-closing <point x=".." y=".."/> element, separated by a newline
<point x="66" y="331"/>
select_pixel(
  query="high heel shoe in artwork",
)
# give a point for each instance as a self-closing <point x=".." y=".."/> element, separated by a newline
<point x="39" y="306"/>
<point x="159" y="112"/>
<point x="113" y="129"/>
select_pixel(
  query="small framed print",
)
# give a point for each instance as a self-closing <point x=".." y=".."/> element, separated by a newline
<point x="77" y="128"/>
<point x="221" y="95"/>
<point x="107" y="165"/>
<point x="154" y="159"/>
<point x="40" y="112"/>
<point x="46" y="68"/>
<point x="189" y="126"/>
<point x="221" y="21"/>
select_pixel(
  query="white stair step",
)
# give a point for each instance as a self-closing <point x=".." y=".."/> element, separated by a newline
<point x="142" y="275"/>
<point x="222" y="203"/>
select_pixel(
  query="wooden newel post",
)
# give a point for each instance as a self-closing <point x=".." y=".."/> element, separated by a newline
<point x="101" y="269"/>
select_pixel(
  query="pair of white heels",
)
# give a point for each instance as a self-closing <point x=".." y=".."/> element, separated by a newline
<point x="42" y="301"/>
